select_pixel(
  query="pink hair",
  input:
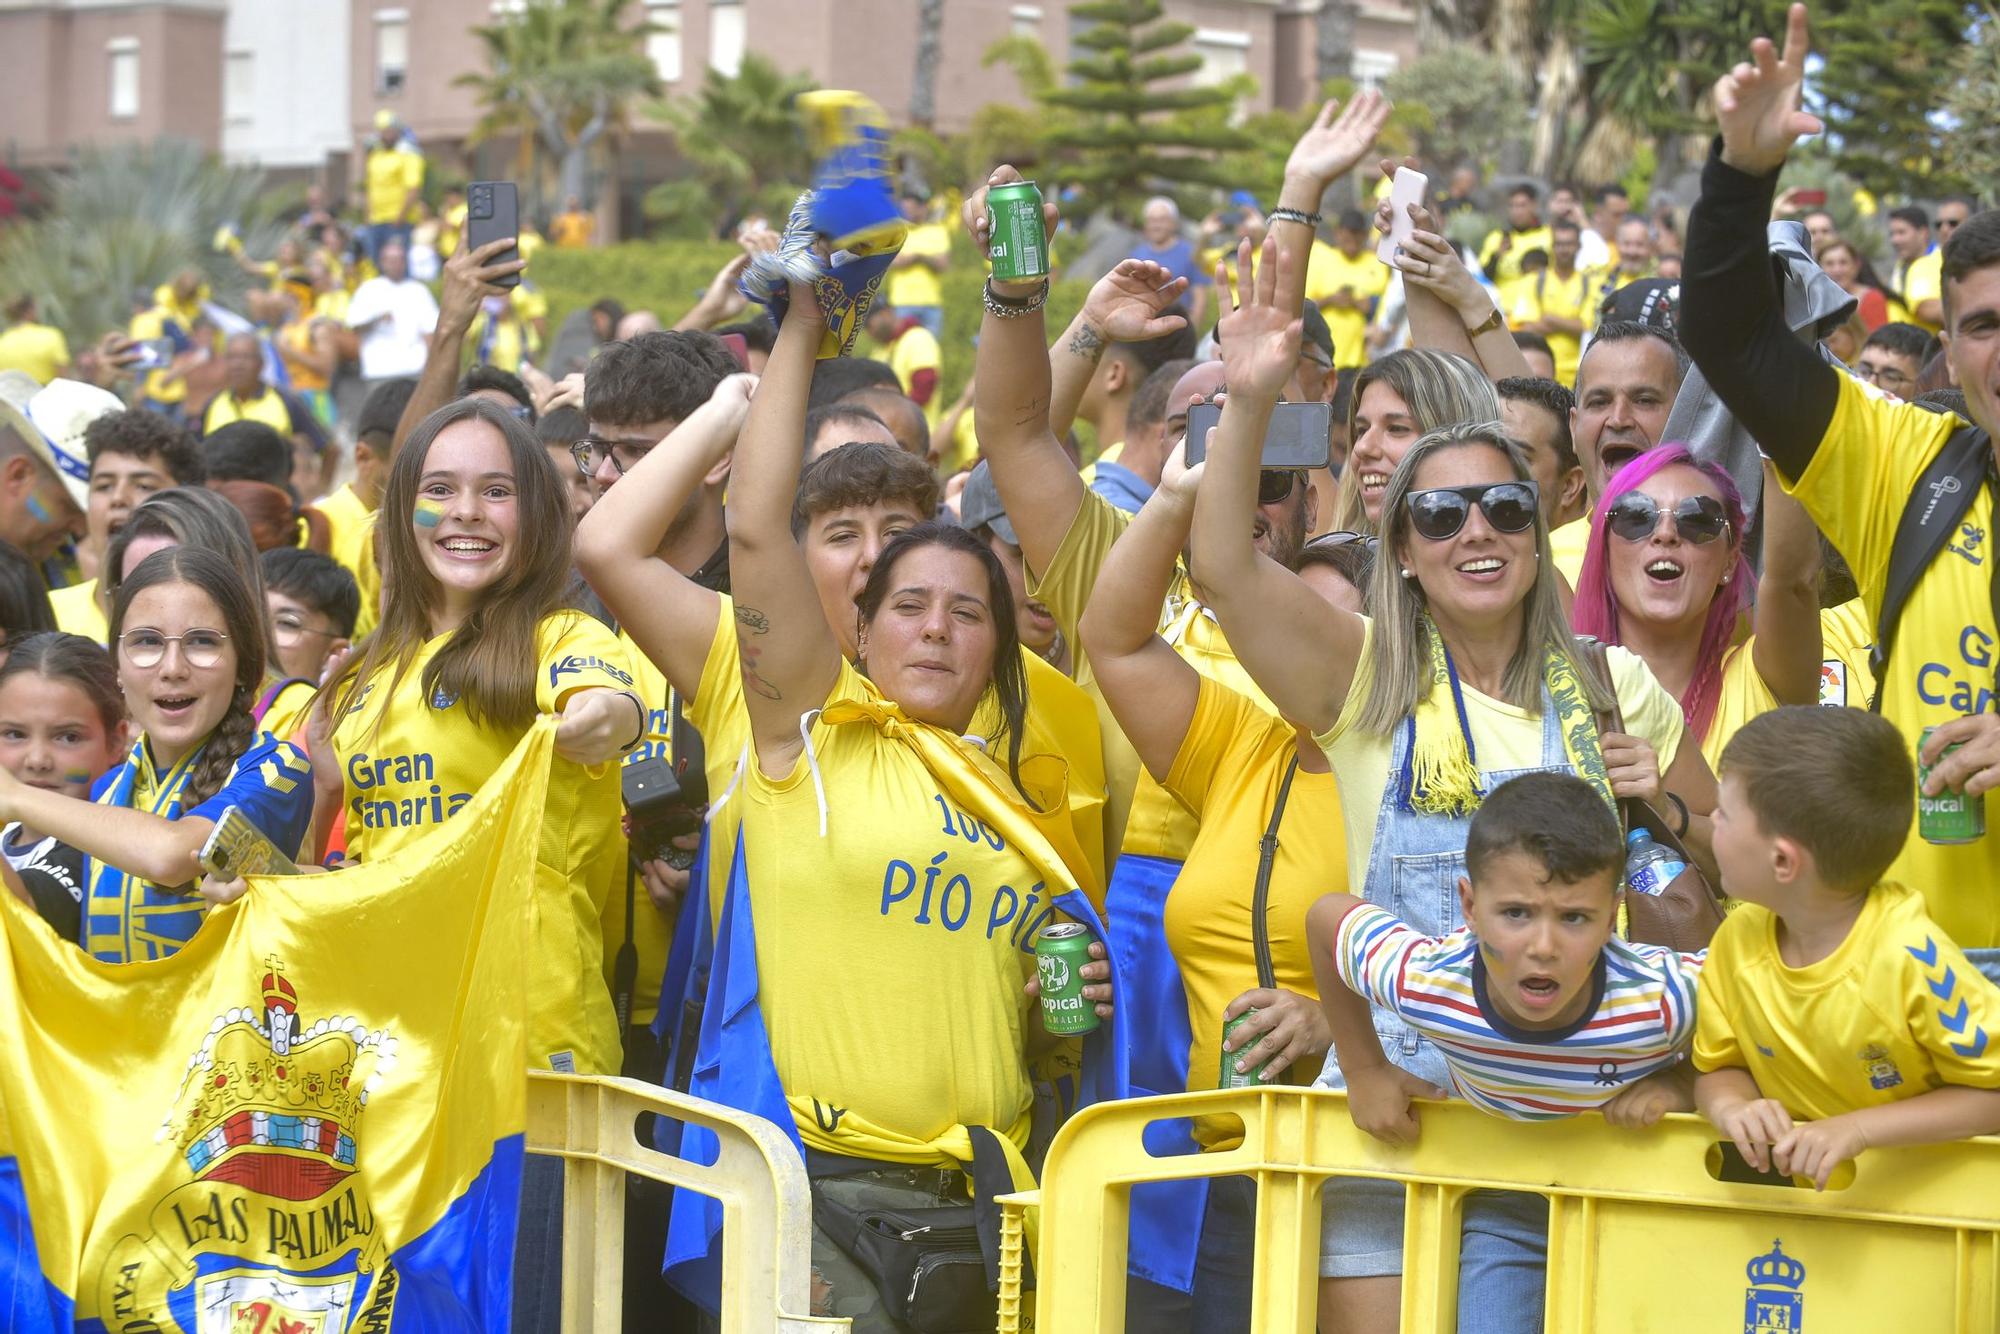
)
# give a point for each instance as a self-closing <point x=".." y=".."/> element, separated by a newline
<point x="1595" y="611"/>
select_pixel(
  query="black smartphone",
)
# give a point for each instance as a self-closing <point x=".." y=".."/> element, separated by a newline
<point x="1300" y="435"/>
<point x="493" y="213"/>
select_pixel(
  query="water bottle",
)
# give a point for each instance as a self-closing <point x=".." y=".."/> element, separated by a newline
<point x="1650" y="866"/>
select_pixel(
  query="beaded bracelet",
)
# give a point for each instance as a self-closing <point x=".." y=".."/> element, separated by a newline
<point x="1013" y="308"/>
<point x="1282" y="214"/>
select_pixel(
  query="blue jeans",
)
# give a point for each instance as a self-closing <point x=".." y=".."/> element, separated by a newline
<point x="375" y="235"/>
<point x="1987" y="962"/>
<point x="1503" y="1261"/>
<point x="1225" y="1264"/>
<point x="538" y="1243"/>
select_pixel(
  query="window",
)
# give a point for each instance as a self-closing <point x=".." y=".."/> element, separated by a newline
<point x="1372" y="67"/>
<point x="725" y="36"/>
<point x="124" y="56"/>
<point x="392" y="50"/>
<point x="1027" y="20"/>
<point x="1224" y="55"/>
<point x="239" y="90"/>
<point x="664" y="48"/>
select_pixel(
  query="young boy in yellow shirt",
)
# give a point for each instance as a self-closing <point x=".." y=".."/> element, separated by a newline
<point x="1833" y="1016"/>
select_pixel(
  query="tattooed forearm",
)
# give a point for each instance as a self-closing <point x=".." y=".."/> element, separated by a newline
<point x="756" y="622"/>
<point x="1036" y="410"/>
<point x="1086" y="342"/>
<point x="746" y="657"/>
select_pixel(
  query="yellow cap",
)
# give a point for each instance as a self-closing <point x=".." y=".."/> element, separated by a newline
<point x="385" y="119"/>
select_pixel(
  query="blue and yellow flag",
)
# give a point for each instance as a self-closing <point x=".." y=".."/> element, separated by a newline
<point x="308" y="1121"/>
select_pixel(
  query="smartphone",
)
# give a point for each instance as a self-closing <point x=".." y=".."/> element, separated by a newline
<point x="1300" y="435"/>
<point x="152" y="354"/>
<point x="1809" y="198"/>
<point x="492" y="213"/>
<point x="1408" y="188"/>
<point x="236" y="848"/>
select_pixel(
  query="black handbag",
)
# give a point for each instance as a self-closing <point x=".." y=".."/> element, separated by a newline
<point x="926" y="1262"/>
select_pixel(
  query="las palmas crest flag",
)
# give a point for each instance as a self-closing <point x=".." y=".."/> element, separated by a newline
<point x="308" y="1121"/>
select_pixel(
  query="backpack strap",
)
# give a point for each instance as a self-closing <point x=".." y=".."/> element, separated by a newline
<point x="1260" y="896"/>
<point x="271" y="693"/>
<point x="1940" y="501"/>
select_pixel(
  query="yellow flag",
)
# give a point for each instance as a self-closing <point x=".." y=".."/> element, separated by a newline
<point x="307" y="1121"/>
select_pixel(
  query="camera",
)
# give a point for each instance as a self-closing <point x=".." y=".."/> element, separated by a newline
<point x="661" y="805"/>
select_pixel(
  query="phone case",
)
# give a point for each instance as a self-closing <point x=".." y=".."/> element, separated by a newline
<point x="236" y="848"/>
<point x="1407" y="189"/>
<point x="492" y="212"/>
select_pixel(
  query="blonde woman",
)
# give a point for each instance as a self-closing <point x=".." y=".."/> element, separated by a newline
<point x="1396" y="400"/>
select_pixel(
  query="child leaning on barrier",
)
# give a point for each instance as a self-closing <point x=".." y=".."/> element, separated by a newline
<point x="1835" y="1015"/>
<point x="1539" y="1010"/>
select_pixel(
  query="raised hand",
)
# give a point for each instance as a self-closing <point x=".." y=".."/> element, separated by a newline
<point x="1332" y="144"/>
<point x="1260" y="339"/>
<point x="1758" y="102"/>
<point x="1127" y="305"/>
<point x="973" y="213"/>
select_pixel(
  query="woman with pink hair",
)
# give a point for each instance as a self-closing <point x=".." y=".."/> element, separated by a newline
<point x="1664" y="575"/>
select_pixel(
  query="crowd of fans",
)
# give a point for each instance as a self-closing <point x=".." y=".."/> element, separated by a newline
<point x="1348" y="766"/>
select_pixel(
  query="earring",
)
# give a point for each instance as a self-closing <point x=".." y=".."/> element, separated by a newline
<point x="1409" y="573"/>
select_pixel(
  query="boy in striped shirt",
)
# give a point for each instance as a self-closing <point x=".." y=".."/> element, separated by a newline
<point x="1536" y="1006"/>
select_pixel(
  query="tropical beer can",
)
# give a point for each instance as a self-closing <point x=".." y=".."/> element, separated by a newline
<point x="1949" y="817"/>
<point x="1230" y="1077"/>
<point x="1061" y="951"/>
<point x="1014" y="240"/>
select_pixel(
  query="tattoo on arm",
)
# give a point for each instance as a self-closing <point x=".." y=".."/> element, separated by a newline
<point x="1035" y="411"/>
<point x="747" y="657"/>
<point x="1086" y="342"/>
<point x="756" y="622"/>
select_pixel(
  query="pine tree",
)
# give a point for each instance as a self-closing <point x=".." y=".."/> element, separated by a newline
<point x="1887" y="70"/>
<point x="1139" y="128"/>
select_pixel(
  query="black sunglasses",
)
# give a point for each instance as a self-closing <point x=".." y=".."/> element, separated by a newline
<point x="1698" y="520"/>
<point x="1438" y="514"/>
<point x="1329" y="541"/>
<point x="1274" y="484"/>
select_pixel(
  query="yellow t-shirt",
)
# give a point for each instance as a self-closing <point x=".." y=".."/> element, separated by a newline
<point x="1861" y="477"/>
<point x="1327" y="271"/>
<point x="1546" y="294"/>
<point x="268" y="407"/>
<point x="38" y="349"/>
<point x="286" y="718"/>
<point x="1844" y="680"/>
<point x="1141" y="817"/>
<point x="901" y="897"/>
<point x="1509" y="267"/>
<point x="351" y="541"/>
<point x="392" y="174"/>
<point x="412" y="763"/>
<point x="1896" y="1011"/>
<point x="165" y="319"/>
<point x="1503" y="737"/>
<point x="917" y="350"/>
<point x="78" y="613"/>
<point x="1923" y="280"/>
<point x="571" y="231"/>
<point x="919" y="284"/>
<point x="1227" y="772"/>
<point x="1567" y="545"/>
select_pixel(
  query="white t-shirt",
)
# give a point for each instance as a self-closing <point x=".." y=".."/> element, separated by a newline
<point x="398" y="345"/>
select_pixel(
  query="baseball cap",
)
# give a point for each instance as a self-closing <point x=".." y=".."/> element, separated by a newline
<point x="52" y="418"/>
<point x="979" y="505"/>
<point x="1654" y="302"/>
<point x="385" y="119"/>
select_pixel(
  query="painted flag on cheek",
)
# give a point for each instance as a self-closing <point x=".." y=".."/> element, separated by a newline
<point x="310" y="1118"/>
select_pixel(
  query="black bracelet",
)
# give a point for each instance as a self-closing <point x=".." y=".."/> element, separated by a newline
<point x="644" y="719"/>
<point x="1011" y="308"/>
<point x="1681" y="808"/>
<point x="1282" y="214"/>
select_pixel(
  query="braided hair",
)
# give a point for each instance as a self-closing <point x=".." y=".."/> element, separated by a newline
<point x="241" y="621"/>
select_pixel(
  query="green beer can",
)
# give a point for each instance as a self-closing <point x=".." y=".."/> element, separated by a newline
<point x="1231" y="1079"/>
<point x="1014" y="241"/>
<point x="1061" y="951"/>
<point x="1949" y="817"/>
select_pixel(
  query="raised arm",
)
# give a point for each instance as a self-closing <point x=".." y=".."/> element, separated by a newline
<point x="789" y="655"/>
<point x="1732" y="321"/>
<point x="1151" y="689"/>
<point x="1449" y="310"/>
<point x="1298" y="648"/>
<point x="669" y="616"/>
<point x="139" y="842"/>
<point x="1124" y="306"/>
<point x="1327" y="151"/>
<point x="1788" y="651"/>
<point x="468" y="279"/>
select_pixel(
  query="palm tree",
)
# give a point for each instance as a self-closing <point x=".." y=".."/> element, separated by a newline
<point x="741" y="136"/>
<point x="128" y="218"/>
<point x="562" y="73"/>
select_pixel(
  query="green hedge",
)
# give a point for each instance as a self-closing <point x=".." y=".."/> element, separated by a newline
<point x="666" y="276"/>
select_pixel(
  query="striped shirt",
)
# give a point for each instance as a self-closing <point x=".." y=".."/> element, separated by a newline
<point x="1641" y="1019"/>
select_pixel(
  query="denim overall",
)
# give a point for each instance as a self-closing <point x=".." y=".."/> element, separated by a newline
<point x="1414" y="864"/>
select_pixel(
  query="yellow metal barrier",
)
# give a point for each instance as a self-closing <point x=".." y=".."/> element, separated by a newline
<point x="1642" y="1234"/>
<point x="591" y="1123"/>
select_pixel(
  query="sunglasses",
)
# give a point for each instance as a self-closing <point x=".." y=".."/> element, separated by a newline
<point x="1329" y="541"/>
<point x="1438" y="514"/>
<point x="1274" y="484"/>
<point x="1698" y="520"/>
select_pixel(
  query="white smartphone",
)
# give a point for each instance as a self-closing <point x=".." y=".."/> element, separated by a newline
<point x="1407" y="189"/>
<point x="237" y="848"/>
